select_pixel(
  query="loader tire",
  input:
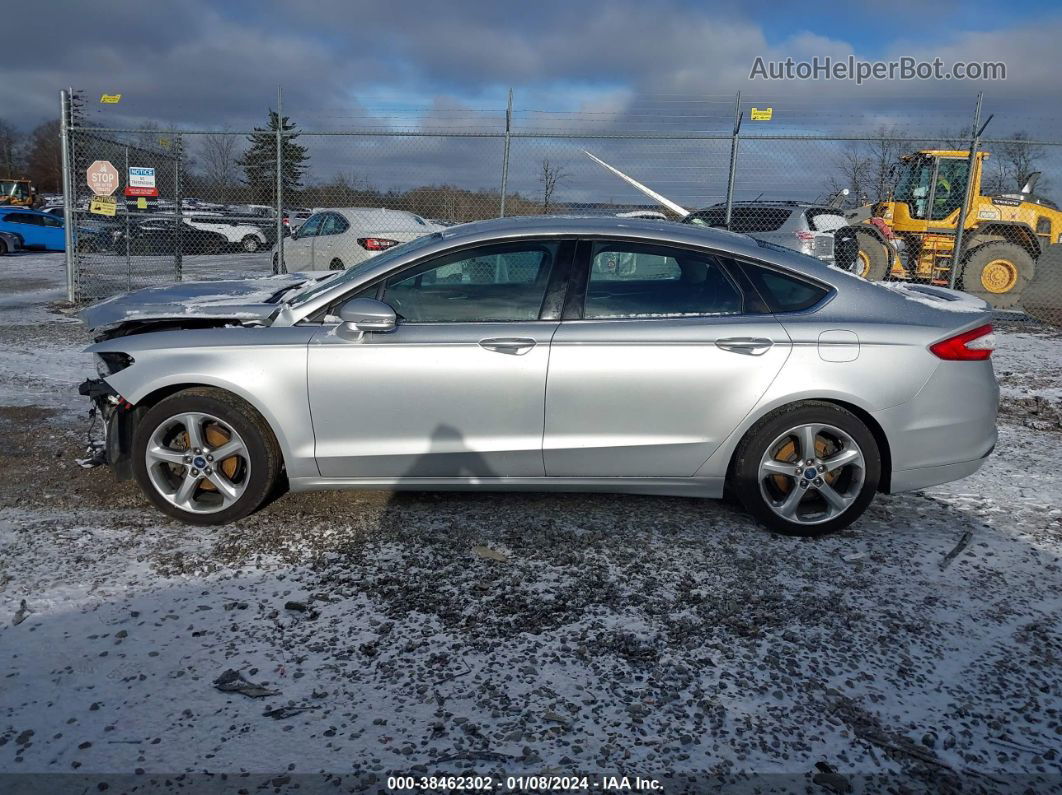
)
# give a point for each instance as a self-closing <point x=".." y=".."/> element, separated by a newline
<point x="872" y="261"/>
<point x="1042" y="298"/>
<point x="997" y="273"/>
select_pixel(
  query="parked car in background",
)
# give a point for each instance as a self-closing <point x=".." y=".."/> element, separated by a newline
<point x="159" y="236"/>
<point x="9" y="243"/>
<point x="44" y="231"/>
<point x="296" y="218"/>
<point x="545" y="353"/>
<point x="337" y="238"/>
<point x="247" y="237"/>
<point x="807" y="228"/>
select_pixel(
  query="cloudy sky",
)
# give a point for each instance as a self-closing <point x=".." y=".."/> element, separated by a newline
<point x="594" y="65"/>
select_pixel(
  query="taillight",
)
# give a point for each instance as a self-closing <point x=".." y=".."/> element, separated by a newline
<point x="974" y="345"/>
<point x="376" y="243"/>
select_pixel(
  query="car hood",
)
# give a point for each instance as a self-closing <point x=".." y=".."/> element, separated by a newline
<point x="244" y="300"/>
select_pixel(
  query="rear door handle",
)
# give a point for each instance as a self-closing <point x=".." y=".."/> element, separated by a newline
<point x="750" y="346"/>
<point x="515" y="346"/>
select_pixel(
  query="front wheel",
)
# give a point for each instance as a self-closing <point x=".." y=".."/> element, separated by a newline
<point x="807" y="469"/>
<point x="3" y="247"/>
<point x="872" y="259"/>
<point x="336" y="264"/>
<point x="205" y="457"/>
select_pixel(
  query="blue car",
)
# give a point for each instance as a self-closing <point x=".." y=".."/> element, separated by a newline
<point x="44" y="231"/>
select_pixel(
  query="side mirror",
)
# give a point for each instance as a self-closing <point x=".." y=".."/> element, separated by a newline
<point x="367" y="314"/>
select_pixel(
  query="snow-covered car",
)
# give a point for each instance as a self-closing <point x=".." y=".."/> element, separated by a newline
<point x="248" y="237"/>
<point x="336" y="238"/>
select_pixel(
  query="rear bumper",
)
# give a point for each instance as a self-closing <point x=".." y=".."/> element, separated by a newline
<point x="911" y="479"/>
<point x="946" y="431"/>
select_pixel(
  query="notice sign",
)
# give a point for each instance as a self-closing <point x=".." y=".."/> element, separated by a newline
<point x="110" y="99"/>
<point x="103" y="205"/>
<point x="141" y="182"/>
<point x="141" y="177"/>
<point x="102" y="177"/>
<point x="761" y="114"/>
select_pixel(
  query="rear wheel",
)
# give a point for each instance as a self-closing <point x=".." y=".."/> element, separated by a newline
<point x="872" y="259"/>
<point x="250" y="244"/>
<point x="998" y="273"/>
<point x="336" y="265"/>
<point x="205" y="457"/>
<point x="808" y="469"/>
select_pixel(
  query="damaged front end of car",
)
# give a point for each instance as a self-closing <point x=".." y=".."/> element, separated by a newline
<point x="119" y="418"/>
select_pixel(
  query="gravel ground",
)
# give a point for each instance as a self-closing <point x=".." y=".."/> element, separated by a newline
<point x="524" y="634"/>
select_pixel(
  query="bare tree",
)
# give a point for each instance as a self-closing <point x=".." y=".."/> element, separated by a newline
<point x="218" y="154"/>
<point x="44" y="156"/>
<point x="10" y="156"/>
<point x="884" y="157"/>
<point x="550" y="177"/>
<point x="854" y="170"/>
<point x="1008" y="167"/>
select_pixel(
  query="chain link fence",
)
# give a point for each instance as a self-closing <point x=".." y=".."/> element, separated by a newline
<point x="190" y="205"/>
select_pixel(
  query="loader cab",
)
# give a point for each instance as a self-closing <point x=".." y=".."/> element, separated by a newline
<point x="932" y="184"/>
<point x="17" y="192"/>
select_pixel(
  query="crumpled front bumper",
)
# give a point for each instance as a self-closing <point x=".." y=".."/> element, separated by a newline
<point x="119" y="419"/>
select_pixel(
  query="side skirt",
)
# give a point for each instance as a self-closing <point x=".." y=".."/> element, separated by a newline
<point x="711" y="488"/>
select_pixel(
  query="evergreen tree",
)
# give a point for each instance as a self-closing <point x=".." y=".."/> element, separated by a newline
<point x="259" y="162"/>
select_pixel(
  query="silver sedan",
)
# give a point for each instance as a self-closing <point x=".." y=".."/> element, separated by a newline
<point x="568" y="354"/>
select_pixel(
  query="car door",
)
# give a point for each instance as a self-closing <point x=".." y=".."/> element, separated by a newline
<point x="27" y="227"/>
<point x="456" y="390"/>
<point x="298" y="249"/>
<point x="52" y="232"/>
<point x="657" y="360"/>
<point x="326" y="250"/>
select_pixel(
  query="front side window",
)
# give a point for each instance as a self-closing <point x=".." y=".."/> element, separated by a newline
<point x="311" y="227"/>
<point x="494" y="283"/>
<point x="631" y="280"/>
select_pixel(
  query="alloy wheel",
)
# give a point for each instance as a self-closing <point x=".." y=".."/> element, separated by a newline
<point x="197" y="462"/>
<point x="811" y="474"/>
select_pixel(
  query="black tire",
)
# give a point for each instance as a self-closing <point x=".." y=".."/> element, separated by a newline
<point x="872" y="261"/>
<point x="261" y="444"/>
<point x="250" y="244"/>
<point x="1042" y="298"/>
<point x="276" y="262"/>
<point x="3" y="247"/>
<point x="998" y="273"/>
<point x="336" y="265"/>
<point x="745" y="469"/>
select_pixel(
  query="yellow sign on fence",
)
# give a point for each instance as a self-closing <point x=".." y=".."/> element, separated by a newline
<point x="103" y="205"/>
<point x="761" y="115"/>
<point x="111" y="99"/>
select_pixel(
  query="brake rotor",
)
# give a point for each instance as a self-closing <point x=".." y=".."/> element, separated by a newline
<point x="787" y="454"/>
<point x="215" y="437"/>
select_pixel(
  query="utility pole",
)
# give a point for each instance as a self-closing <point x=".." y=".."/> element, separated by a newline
<point x="976" y="130"/>
<point x="280" y="267"/>
<point x="505" y="157"/>
<point x="733" y="159"/>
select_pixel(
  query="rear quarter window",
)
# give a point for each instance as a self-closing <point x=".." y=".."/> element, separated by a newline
<point x="784" y="292"/>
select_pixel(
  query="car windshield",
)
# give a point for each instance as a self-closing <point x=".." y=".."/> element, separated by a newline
<point x="312" y="290"/>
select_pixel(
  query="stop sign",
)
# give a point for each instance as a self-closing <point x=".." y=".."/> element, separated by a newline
<point x="102" y="178"/>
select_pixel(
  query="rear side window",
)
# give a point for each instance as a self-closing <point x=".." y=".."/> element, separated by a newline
<point x="743" y="219"/>
<point x="633" y="280"/>
<point x="783" y="292"/>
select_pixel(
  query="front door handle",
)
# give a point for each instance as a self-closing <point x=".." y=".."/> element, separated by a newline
<point x="515" y="346"/>
<point x="750" y="346"/>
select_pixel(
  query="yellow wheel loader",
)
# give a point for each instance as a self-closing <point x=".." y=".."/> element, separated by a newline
<point x="913" y="234"/>
<point x="17" y="193"/>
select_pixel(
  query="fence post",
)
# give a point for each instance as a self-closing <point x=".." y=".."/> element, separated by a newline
<point x="505" y="156"/>
<point x="128" y="263"/>
<point x="280" y="267"/>
<point x="68" y="199"/>
<point x="178" y="240"/>
<point x="733" y="159"/>
<point x="975" y="143"/>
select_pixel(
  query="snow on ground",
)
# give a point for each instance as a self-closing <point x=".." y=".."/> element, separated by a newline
<point x="521" y="634"/>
